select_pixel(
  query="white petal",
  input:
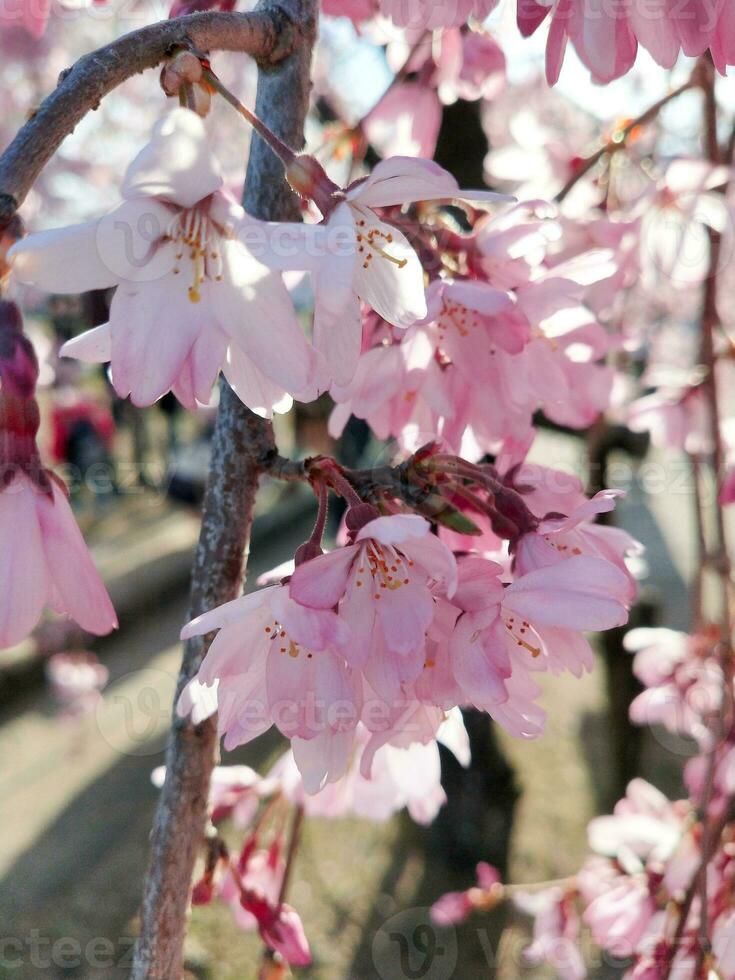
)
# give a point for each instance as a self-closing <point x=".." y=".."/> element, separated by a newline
<point x="93" y="346"/>
<point x="254" y="309"/>
<point x="260" y="394"/>
<point x="392" y="279"/>
<point x="177" y="164"/>
<point x="63" y="260"/>
<point x="400" y="180"/>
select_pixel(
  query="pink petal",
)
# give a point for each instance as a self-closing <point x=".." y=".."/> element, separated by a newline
<point x="71" y="569"/>
<point x="405" y="614"/>
<point x="24" y="582"/>
<point x="581" y="593"/>
<point x="321" y="582"/>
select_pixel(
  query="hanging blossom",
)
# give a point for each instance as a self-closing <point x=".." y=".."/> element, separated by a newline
<point x="251" y="882"/>
<point x="412" y="14"/>
<point x="606" y="36"/>
<point x="371" y="645"/>
<point x="44" y="561"/>
<point x="274" y="662"/>
<point x="383" y="586"/>
<point x="190" y="298"/>
<point x="407" y="777"/>
<point x="357" y="255"/>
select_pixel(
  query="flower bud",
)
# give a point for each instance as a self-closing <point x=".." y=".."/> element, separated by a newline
<point x="183" y="68"/>
<point x="183" y="76"/>
<point x="202" y="892"/>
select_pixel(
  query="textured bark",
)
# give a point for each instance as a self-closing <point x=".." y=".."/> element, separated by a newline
<point x="242" y="443"/>
<point x="267" y="34"/>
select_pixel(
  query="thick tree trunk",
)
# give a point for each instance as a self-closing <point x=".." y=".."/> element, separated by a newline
<point x="241" y="442"/>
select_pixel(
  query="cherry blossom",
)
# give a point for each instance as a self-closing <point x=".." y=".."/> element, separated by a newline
<point x="382" y="584"/>
<point x="454" y="907"/>
<point x="276" y="662"/>
<point x="41" y="545"/>
<point x="606" y="37"/>
<point x="190" y="298"/>
<point x="531" y="624"/>
<point x="428" y="15"/>
<point x="400" y="777"/>
<point x="44" y="560"/>
<point x="356" y="255"/>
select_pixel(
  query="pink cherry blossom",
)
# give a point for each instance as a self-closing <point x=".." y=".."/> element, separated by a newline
<point x="356" y="255"/>
<point x="469" y="65"/>
<point x="620" y="916"/>
<point x="405" y="122"/>
<point x="556" y="930"/>
<point x="382" y="585"/>
<point x="558" y="538"/>
<point x="532" y="624"/>
<point x="606" y="37"/>
<point x="683" y="678"/>
<point x="45" y="562"/>
<point x="252" y="890"/>
<point x="190" y="299"/>
<point x="275" y="662"/>
<point x="400" y="777"/>
<point x="454" y="907"/>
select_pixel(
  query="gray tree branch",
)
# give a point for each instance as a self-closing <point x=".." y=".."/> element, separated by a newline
<point x="268" y="34"/>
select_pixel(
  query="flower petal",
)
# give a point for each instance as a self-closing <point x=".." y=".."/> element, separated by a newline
<point x="71" y="569"/>
<point x="321" y="582"/>
<point x="24" y="582"/>
<point x="390" y="278"/>
<point x="177" y="163"/>
<point x="63" y="260"/>
<point x="93" y="346"/>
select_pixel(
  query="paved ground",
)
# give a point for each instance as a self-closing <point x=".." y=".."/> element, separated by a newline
<point x="77" y="805"/>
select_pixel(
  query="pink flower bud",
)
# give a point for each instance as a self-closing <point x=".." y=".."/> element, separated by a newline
<point x="202" y="892"/>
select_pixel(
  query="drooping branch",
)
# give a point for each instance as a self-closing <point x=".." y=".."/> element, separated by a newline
<point x="267" y="34"/>
<point x="242" y="442"/>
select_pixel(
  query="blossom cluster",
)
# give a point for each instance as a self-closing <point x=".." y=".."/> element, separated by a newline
<point x="605" y="35"/>
<point x="416" y="319"/>
<point x="388" y="632"/>
<point x="656" y="895"/>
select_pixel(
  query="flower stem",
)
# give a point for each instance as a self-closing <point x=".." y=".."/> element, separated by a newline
<point x="284" y="153"/>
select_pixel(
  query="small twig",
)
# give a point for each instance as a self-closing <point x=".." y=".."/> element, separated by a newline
<point x="297" y="823"/>
<point x="621" y="137"/>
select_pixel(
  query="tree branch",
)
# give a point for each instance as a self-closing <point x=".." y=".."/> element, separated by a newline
<point x="267" y="34"/>
<point x="621" y="137"/>
<point x="241" y="444"/>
